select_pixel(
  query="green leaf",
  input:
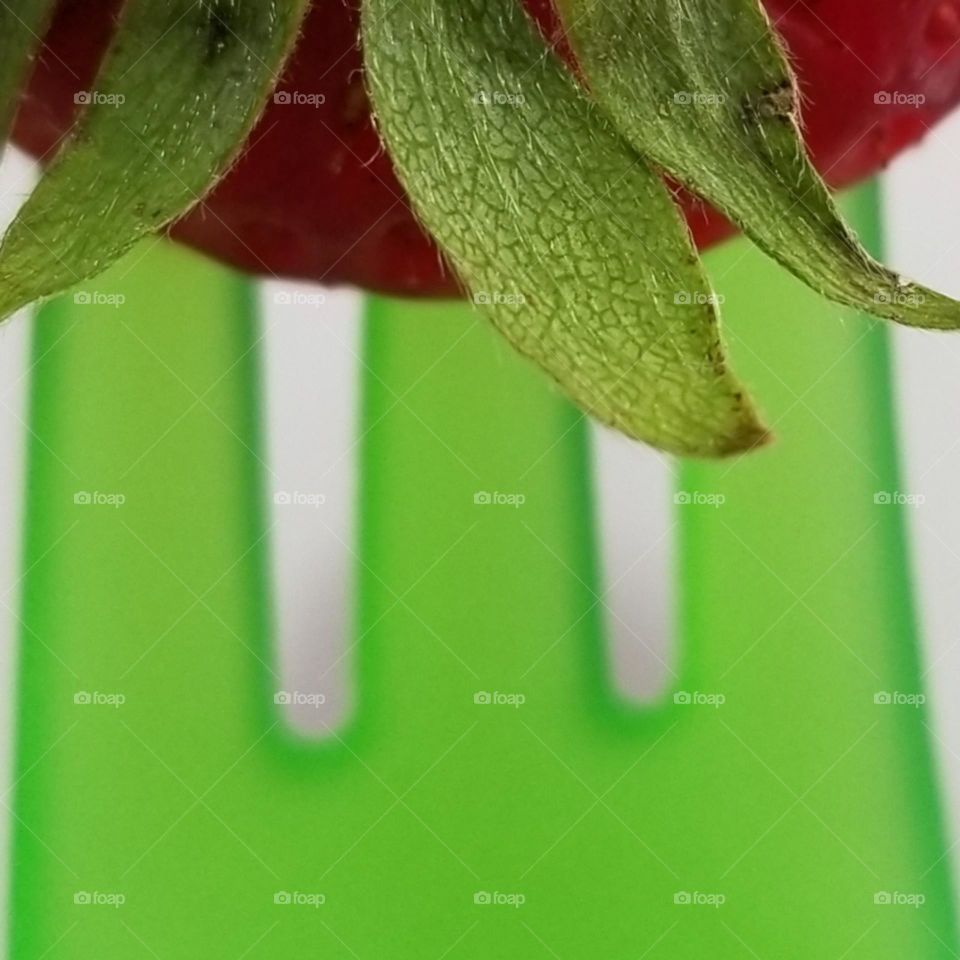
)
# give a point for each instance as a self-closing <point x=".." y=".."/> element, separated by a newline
<point x="22" y="25"/>
<point x="182" y="86"/>
<point x="703" y="90"/>
<point x="569" y="243"/>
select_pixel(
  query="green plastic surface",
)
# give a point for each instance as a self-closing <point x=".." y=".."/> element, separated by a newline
<point x="797" y="801"/>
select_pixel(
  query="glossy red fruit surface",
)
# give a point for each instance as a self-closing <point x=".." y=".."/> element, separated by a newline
<point x="314" y="195"/>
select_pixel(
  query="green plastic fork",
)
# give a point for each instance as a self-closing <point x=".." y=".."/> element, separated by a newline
<point x="490" y="798"/>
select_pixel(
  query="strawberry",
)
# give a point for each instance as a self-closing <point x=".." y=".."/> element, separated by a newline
<point x="315" y="195"/>
<point x="450" y="152"/>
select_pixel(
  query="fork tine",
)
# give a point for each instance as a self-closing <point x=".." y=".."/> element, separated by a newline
<point x="635" y="530"/>
<point x="312" y="341"/>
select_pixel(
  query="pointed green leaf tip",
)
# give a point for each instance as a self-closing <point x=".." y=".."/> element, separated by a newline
<point x="181" y="88"/>
<point x="569" y="243"/>
<point x="703" y="91"/>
